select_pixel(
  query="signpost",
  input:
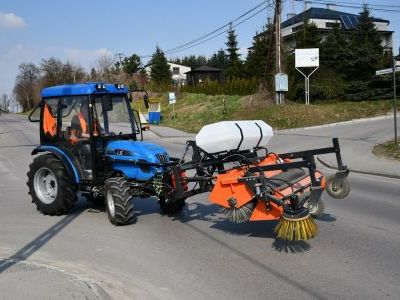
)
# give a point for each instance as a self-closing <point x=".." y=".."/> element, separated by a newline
<point x="394" y="69"/>
<point x="172" y="101"/>
<point x="307" y="58"/>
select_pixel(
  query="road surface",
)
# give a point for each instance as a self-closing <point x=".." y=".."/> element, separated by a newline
<point x="197" y="255"/>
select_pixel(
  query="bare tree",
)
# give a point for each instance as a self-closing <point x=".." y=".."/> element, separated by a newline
<point x="5" y="103"/>
<point x="26" y="81"/>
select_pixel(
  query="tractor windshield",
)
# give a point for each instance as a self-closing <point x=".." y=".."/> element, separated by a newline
<point x="113" y="116"/>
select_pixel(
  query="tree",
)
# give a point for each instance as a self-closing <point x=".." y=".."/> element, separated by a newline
<point x="26" y="84"/>
<point x="260" y="62"/>
<point x="365" y="53"/>
<point x="234" y="68"/>
<point x="160" y="71"/>
<point x="131" y="64"/>
<point x="55" y="72"/>
<point x="308" y="36"/>
<point x="5" y="102"/>
<point x="219" y="60"/>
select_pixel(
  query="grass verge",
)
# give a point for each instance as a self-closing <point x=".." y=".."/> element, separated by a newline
<point x="195" y="110"/>
<point x="387" y="150"/>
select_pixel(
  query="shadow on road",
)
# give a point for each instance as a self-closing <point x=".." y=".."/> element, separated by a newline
<point x="41" y="240"/>
<point x="290" y="246"/>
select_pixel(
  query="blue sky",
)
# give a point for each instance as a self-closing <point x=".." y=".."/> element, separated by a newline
<point x="81" y="31"/>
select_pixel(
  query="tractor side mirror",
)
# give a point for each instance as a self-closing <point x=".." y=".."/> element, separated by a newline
<point x="146" y="101"/>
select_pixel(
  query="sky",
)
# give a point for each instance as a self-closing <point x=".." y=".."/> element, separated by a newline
<point x="82" y="31"/>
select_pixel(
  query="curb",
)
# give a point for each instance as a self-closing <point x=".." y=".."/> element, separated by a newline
<point x="354" y="121"/>
<point x="359" y="171"/>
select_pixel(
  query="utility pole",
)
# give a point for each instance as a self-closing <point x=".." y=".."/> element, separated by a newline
<point x="120" y="56"/>
<point x="279" y="96"/>
<point x="394" y="101"/>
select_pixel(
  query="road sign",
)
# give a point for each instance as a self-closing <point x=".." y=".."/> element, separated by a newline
<point x="305" y="58"/>
<point x="171" y="98"/>
<point x="386" y="71"/>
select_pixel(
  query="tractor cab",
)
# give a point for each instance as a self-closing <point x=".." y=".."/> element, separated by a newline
<point x="83" y="121"/>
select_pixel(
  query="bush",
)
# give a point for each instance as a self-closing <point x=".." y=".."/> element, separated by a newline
<point x="237" y="86"/>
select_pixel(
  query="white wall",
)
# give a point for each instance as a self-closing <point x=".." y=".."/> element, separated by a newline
<point x="179" y="77"/>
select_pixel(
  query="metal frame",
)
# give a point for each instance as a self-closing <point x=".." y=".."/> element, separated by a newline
<point x="307" y="84"/>
<point x="206" y="165"/>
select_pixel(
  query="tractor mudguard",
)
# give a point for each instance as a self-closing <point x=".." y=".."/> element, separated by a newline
<point x="63" y="157"/>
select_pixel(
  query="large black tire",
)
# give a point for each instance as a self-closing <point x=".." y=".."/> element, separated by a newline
<point x="119" y="201"/>
<point x="340" y="189"/>
<point x="171" y="206"/>
<point x="47" y="173"/>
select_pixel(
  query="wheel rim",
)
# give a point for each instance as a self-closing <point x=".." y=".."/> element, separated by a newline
<point x="110" y="204"/>
<point x="312" y="206"/>
<point x="45" y="185"/>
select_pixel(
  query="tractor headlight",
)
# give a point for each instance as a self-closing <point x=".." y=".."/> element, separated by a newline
<point x="100" y="86"/>
<point x="121" y="152"/>
<point x="120" y="86"/>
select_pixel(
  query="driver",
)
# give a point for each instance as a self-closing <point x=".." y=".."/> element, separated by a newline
<point x="80" y="125"/>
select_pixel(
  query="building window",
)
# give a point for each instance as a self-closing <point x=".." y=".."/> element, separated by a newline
<point x="175" y="70"/>
<point x="332" y="25"/>
<point x="297" y="28"/>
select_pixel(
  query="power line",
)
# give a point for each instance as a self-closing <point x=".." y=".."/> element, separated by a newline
<point x="215" y="33"/>
<point x="355" y="6"/>
<point x="218" y="29"/>
<point x="357" y="3"/>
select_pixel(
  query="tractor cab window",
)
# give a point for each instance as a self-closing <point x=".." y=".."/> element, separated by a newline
<point x="75" y="119"/>
<point x="113" y="114"/>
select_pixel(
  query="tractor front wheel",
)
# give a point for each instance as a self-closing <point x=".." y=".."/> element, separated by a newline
<point x="53" y="192"/>
<point x="119" y="201"/>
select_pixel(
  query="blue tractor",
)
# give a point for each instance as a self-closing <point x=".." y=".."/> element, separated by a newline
<point x="91" y="143"/>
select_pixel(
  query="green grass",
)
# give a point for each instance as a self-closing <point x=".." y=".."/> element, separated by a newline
<point x="195" y="110"/>
<point x="388" y="150"/>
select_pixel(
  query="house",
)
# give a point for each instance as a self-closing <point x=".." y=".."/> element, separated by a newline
<point x="178" y="72"/>
<point x="325" y="19"/>
<point x="203" y="73"/>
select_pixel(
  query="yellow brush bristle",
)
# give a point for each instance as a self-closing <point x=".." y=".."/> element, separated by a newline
<point x="296" y="229"/>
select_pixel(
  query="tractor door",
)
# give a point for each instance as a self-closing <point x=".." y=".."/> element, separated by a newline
<point x="75" y="133"/>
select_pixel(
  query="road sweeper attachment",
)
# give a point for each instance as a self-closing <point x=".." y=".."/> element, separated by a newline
<point x="230" y="160"/>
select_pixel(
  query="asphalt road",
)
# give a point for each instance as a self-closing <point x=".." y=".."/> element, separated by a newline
<point x="197" y="255"/>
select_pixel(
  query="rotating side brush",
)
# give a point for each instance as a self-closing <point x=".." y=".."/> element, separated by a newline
<point x="296" y="225"/>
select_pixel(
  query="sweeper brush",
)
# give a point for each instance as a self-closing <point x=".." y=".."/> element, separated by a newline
<point x="296" y="226"/>
<point x="230" y="160"/>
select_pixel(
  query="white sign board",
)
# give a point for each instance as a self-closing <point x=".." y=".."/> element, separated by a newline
<point x="386" y="71"/>
<point x="397" y="63"/>
<point x="307" y="58"/>
<point x="171" y="98"/>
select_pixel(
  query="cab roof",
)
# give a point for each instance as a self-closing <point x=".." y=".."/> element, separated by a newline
<point x="87" y="88"/>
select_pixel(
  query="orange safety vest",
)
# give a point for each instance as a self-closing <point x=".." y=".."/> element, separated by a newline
<point x="49" y="123"/>
<point x="82" y="122"/>
<point x="84" y="127"/>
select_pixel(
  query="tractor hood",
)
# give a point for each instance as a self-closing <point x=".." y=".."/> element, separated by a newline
<point x="136" y="151"/>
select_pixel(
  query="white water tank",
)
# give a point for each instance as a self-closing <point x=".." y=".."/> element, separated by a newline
<point x="234" y="135"/>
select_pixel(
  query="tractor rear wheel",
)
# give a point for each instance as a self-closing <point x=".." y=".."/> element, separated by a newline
<point x="53" y="192"/>
<point x="119" y="201"/>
